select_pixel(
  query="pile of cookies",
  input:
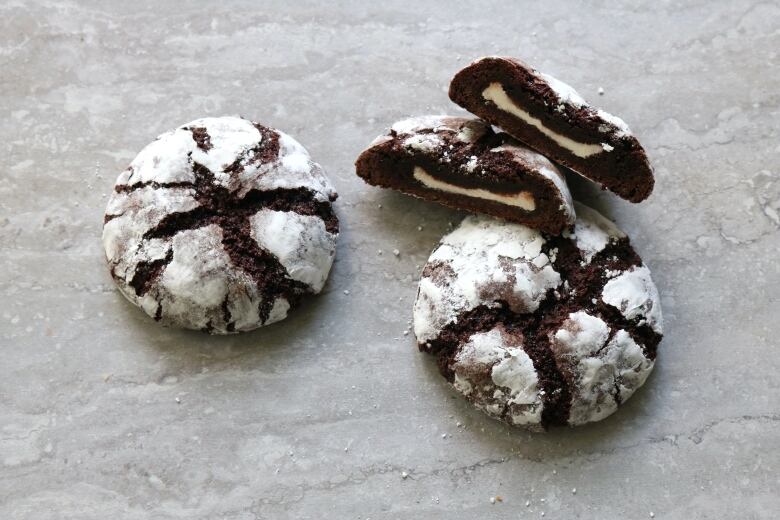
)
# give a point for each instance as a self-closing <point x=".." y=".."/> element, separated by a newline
<point x="537" y="308"/>
<point x="545" y="315"/>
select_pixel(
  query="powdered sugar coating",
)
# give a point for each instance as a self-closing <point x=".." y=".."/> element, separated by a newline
<point x="635" y="295"/>
<point x="465" y="130"/>
<point x="615" y="121"/>
<point x="489" y="260"/>
<point x="294" y="168"/>
<point x="512" y="390"/>
<point x="300" y="242"/>
<point x="605" y="370"/>
<point x="593" y="231"/>
<point x="567" y="94"/>
<point x="187" y="221"/>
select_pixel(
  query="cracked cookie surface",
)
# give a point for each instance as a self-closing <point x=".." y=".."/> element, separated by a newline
<point x="539" y="330"/>
<point x="221" y="225"/>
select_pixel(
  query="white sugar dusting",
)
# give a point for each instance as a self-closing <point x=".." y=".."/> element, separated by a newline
<point x="300" y="242"/>
<point x="293" y="169"/>
<point x="593" y="232"/>
<point x="482" y="255"/>
<point x="230" y="137"/>
<point x="512" y="373"/>
<point x="567" y="94"/>
<point x="164" y="160"/>
<point x="426" y="143"/>
<point x="413" y="125"/>
<point x="635" y="295"/>
<point x="622" y="127"/>
<point x="564" y="91"/>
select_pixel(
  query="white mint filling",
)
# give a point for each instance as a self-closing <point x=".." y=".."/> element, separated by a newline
<point x="523" y="199"/>
<point x="496" y="94"/>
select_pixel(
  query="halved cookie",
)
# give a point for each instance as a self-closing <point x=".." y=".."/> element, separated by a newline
<point x="550" y="117"/>
<point x="464" y="164"/>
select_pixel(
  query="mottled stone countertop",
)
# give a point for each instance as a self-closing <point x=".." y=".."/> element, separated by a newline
<point x="104" y="414"/>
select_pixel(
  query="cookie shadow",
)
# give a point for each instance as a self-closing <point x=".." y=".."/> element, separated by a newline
<point x="184" y="352"/>
<point x="557" y="445"/>
<point x="590" y="194"/>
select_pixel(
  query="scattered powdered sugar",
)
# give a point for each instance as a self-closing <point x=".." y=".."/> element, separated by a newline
<point x="593" y="231"/>
<point x="426" y="143"/>
<point x="486" y="260"/>
<point x="635" y="295"/>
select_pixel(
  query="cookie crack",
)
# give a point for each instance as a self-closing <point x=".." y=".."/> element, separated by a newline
<point x="266" y="151"/>
<point x="227" y="315"/>
<point x="128" y="188"/>
<point x="270" y="276"/>
<point x="617" y="256"/>
<point x="642" y="334"/>
<point x="146" y="272"/>
<point x="554" y="387"/>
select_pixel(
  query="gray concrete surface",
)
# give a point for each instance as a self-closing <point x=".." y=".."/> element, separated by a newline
<point x="103" y="414"/>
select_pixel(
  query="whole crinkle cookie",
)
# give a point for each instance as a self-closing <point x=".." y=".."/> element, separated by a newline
<point x="540" y="330"/>
<point x="221" y="225"/>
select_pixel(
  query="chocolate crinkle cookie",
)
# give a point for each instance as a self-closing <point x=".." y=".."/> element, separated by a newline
<point x="540" y="330"/>
<point x="221" y="225"/>
<point x="462" y="163"/>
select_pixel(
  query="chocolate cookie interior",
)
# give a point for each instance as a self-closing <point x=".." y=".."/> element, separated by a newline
<point x="550" y="117"/>
<point x="464" y="164"/>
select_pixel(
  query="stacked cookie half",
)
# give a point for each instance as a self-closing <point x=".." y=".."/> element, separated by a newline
<point x="538" y="309"/>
